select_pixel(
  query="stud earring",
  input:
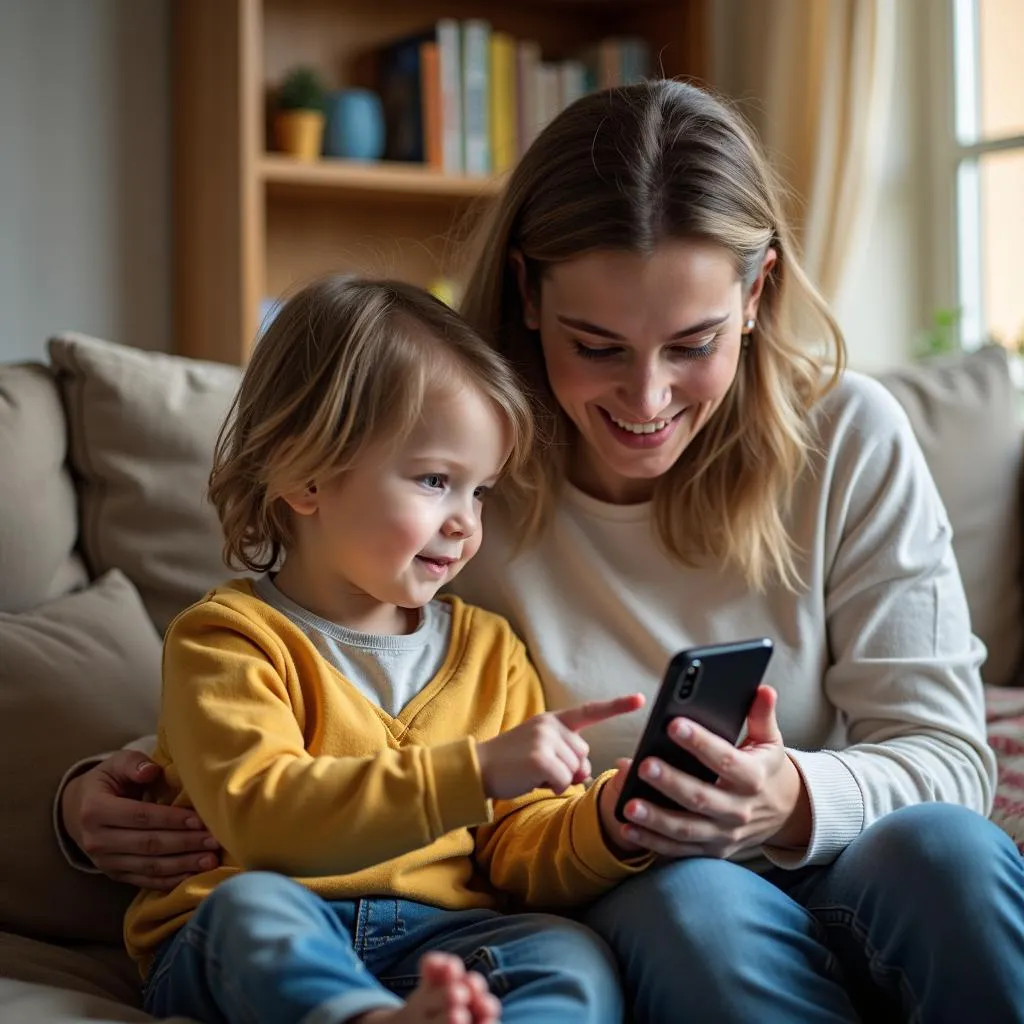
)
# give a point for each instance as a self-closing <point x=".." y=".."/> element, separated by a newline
<point x="748" y="326"/>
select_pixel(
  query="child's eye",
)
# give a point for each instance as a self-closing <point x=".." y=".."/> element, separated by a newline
<point x="434" y="481"/>
<point x="481" y="493"/>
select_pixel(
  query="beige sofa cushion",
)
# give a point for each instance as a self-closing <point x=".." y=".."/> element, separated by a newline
<point x="45" y="1004"/>
<point x="143" y="427"/>
<point x="104" y="972"/>
<point x="965" y="412"/>
<point x="38" y="510"/>
<point x="47" y="984"/>
<point x="78" y="675"/>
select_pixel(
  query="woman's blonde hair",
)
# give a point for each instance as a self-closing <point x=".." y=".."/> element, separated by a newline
<point x="627" y="169"/>
<point x="346" y="363"/>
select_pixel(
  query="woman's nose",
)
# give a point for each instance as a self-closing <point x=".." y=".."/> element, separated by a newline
<point x="648" y="396"/>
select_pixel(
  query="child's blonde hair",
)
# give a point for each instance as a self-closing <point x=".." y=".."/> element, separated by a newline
<point x="346" y="363"/>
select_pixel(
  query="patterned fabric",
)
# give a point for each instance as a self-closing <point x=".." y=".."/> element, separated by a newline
<point x="1004" y="712"/>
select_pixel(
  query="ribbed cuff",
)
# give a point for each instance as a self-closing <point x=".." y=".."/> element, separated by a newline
<point x="837" y="810"/>
<point x="589" y="843"/>
<point x="353" y="1004"/>
<point x="456" y="787"/>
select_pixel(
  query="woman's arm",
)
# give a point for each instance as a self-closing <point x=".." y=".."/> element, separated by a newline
<point x="904" y="670"/>
<point x="103" y="826"/>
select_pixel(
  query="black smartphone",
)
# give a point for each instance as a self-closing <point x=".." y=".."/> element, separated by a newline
<point x="713" y="686"/>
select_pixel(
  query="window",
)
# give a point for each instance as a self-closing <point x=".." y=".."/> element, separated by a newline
<point x="988" y="157"/>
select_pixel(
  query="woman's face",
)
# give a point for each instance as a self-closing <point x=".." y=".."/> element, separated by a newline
<point x="640" y="351"/>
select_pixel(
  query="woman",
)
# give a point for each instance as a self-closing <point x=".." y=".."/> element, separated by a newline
<point x="708" y="480"/>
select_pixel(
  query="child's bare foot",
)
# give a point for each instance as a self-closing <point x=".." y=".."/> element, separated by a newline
<point x="446" y="994"/>
<point x="485" y="1008"/>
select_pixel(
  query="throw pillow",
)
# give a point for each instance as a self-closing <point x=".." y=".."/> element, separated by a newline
<point x="964" y="412"/>
<point x="38" y="509"/>
<point x="142" y="432"/>
<point x="78" y="675"/>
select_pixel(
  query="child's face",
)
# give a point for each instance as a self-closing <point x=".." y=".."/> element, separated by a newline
<point x="403" y="522"/>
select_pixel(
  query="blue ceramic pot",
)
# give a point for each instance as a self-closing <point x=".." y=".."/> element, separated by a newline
<point x="355" y="125"/>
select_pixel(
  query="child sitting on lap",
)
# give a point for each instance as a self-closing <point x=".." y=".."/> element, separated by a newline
<point x="375" y="761"/>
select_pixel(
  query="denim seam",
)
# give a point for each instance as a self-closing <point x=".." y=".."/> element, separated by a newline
<point x="359" y="931"/>
<point x="847" y="918"/>
<point x="496" y="979"/>
<point x="395" y="930"/>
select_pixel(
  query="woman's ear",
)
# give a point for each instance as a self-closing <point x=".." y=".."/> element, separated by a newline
<point x="771" y="257"/>
<point x="304" y="502"/>
<point x="531" y="315"/>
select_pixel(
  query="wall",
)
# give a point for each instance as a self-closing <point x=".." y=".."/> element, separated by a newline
<point x="85" y="190"/>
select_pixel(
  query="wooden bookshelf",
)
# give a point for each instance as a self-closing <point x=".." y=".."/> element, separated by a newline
<point x="350" y="178"/>
<point x="251" y="224"/>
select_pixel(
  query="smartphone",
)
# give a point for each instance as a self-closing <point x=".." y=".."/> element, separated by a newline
<point x="713" y="686"/>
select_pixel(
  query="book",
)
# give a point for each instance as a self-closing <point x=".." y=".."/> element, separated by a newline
<point x="527" y="100"/>
<point x="401" y="96"/>
<point x="503" y="118"/>
<point x="573" y="82"/>
<point x="430" y="102"/>
<point x="449" y="53"/>
<point x="476" y="71"/>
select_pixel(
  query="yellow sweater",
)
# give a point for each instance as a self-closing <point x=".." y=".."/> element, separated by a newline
<point x="295" y="771"/>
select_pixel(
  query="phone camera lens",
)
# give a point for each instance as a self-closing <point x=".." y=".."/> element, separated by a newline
<point x="689" y="681"/>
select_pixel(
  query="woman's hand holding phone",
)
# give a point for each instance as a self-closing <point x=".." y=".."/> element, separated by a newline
<point x="759" y="797"/>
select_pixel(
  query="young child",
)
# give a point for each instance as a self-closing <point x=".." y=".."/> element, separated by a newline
<point x="335" y="723"/>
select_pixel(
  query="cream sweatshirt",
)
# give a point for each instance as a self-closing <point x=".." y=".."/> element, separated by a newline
<point x="880" y="698"/>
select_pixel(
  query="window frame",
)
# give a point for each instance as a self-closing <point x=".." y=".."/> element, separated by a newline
<point x="956" y="274"/>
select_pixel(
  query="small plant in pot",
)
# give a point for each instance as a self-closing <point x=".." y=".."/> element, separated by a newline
<point x="299" y="116"/>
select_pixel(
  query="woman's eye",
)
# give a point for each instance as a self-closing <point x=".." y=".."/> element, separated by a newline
<point x="434" y="481"/>
<point x="698" y="352"/>
<point x="594" y="353"/>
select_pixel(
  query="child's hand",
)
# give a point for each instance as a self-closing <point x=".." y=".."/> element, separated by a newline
<point x="546" y="750"/>
<point x="614" y="830"/>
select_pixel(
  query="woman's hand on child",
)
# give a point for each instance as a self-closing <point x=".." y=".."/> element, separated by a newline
<point x="546" y="750"/>
<point x="143" y="844"/>
<point x="759" y="797"/>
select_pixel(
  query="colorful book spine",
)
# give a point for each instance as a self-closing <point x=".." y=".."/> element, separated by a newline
<point x="476" y="59"/>
<point x="527" y="73"/>
<point x="504" y="127"/>
<point x="400" y="91"/>
<point x="573" y="82"/>
<point x="449" y="51"/>
<point x="430" y="104"/>
<point x="549" y="88"/>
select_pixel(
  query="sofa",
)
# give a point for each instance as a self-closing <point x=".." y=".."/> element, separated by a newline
<point x="105" y="535"/>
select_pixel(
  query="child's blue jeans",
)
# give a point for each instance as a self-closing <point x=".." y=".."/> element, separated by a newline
<point x="261" y="947"/>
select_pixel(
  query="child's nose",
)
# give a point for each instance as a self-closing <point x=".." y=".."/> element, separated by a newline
<point x="463" y="524"/>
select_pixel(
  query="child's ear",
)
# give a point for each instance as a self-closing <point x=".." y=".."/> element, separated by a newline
<point x="304" y="502"/>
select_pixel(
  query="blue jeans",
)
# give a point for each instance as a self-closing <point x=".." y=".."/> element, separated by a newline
<point x="261" y="947"/>
<point x="920" y="919"/>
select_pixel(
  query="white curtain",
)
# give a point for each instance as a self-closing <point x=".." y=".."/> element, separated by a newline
<point x="815" y="77"/>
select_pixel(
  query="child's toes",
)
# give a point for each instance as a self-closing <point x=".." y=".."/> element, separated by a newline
<point x="484" y="1006"/>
